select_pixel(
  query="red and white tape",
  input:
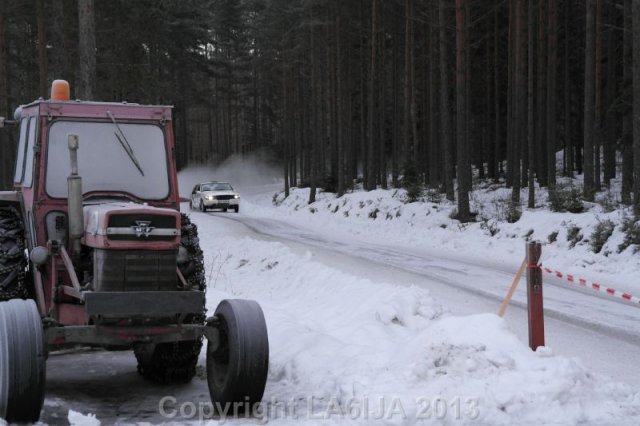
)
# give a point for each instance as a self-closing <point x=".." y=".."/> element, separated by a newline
<point x="594" y="286"/>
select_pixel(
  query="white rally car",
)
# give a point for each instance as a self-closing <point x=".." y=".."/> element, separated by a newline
<point x="214" y="195"/>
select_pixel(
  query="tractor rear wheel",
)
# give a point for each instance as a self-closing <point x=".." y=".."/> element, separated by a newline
<point x="24" y="354"/>
<point x="237" y="365"/>
<point x="12" y="259"/>
<point x="4" y="365"/>
<point x="176" y="362"/>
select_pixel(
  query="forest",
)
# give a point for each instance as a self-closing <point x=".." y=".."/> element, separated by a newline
<point x="437" y="94"/>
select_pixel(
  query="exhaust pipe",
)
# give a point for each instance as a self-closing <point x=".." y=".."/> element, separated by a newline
<point x="74" y="198"/>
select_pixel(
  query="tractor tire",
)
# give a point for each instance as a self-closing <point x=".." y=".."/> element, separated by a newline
<point x="176" y="362"/>
<point x="13" y="282"/>
<point x="26" y="360"/>
<point x="237" y="366"/>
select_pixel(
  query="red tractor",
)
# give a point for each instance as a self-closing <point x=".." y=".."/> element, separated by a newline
<point x="94" y="251"/>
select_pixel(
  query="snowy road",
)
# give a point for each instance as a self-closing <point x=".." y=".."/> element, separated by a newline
<point x="604" y="332"/>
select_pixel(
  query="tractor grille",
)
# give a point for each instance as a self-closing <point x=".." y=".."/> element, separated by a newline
<point x="129" y="220"/>
<point x="224" y="197"/>
<point x="123" y="270"/>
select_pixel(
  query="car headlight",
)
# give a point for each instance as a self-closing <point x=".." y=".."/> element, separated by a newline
<point x="210" y="197"/>
<point x="236" y="196"/>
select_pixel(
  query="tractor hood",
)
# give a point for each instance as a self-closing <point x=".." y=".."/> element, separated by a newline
<point x="121" y="225"/>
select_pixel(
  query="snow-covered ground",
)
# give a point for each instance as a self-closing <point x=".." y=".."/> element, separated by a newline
<point x="389" y="318"/>
<point x="342" y="341"/>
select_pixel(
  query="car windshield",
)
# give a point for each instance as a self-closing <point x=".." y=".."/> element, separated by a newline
<point x="103" y="163"/>
<point x="217" y="187"/>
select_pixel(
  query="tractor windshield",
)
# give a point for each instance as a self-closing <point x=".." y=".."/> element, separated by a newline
<point x="103" y="164"/>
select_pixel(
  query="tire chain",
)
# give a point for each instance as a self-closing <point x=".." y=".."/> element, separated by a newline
<point x="194" y="271"/>
<point x="12" y="260"/>
<point x="176" y="362"/>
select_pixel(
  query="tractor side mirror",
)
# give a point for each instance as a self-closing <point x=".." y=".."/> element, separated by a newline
<point x="6" y="123"/>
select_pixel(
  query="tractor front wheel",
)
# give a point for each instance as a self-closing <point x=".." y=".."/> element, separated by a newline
<point x="176" y="362"/>
<point x="238" y="363"/>
<point x="22" y="361"/>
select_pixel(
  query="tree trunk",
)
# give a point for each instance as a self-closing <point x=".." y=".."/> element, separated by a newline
<point x="445" y="109"/>
<point x="490" y="124"/>
<point x="498" y="134"/>
<point x="542" y="92"/>
<point x="316" y="131"/>
<point x="520" y="99"/>
<point x="627" y="119"/>
<point x="589" y="102"/>
<point x="87" y="50"/>
<point x="463" y="161"/>
<point x="435" y="177"/>
<point x="42" y="49"/>
<point x="395" y="168"/>
<point x="531" y="202"/>
<point x="597" y="136"/>
<point x="408" y="91"/>
<point x="511" y="53"/>
<point x="372" y="136"/>
<point x="412" y="88"/>
<point x="636" y="108"/>
<point x="363" y="99"/>
<point x="381" y="94"/>
<point x="568" y="124"/>
<point x="552" y="64"/>
<point x="611" y="120"/>
<point x="340" y="108"/>
<point x="57" y="62"/>
<point x="285" y="130"/>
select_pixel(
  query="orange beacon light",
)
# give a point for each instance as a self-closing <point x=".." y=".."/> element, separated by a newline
<point x="60" y="90"/>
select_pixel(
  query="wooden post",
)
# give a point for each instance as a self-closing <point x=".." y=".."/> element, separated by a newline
<point x="534" y="296"/>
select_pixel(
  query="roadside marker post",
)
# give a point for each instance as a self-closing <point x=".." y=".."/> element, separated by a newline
<point x="535" y="305"/>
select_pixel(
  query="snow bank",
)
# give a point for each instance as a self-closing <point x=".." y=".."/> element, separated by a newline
<point x="347" y="349"/>
<point x="384" y="216"/>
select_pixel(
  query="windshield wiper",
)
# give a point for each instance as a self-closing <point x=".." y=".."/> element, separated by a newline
<point x="125" y="143"/>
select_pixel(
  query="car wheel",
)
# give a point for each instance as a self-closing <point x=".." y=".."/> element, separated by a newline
<point x="237" y="208"/>
<point x="224" y="209"/>
<point x="202" y="207"/>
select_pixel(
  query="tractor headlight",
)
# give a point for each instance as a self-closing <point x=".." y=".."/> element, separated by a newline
<point x="39" y="255"/>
